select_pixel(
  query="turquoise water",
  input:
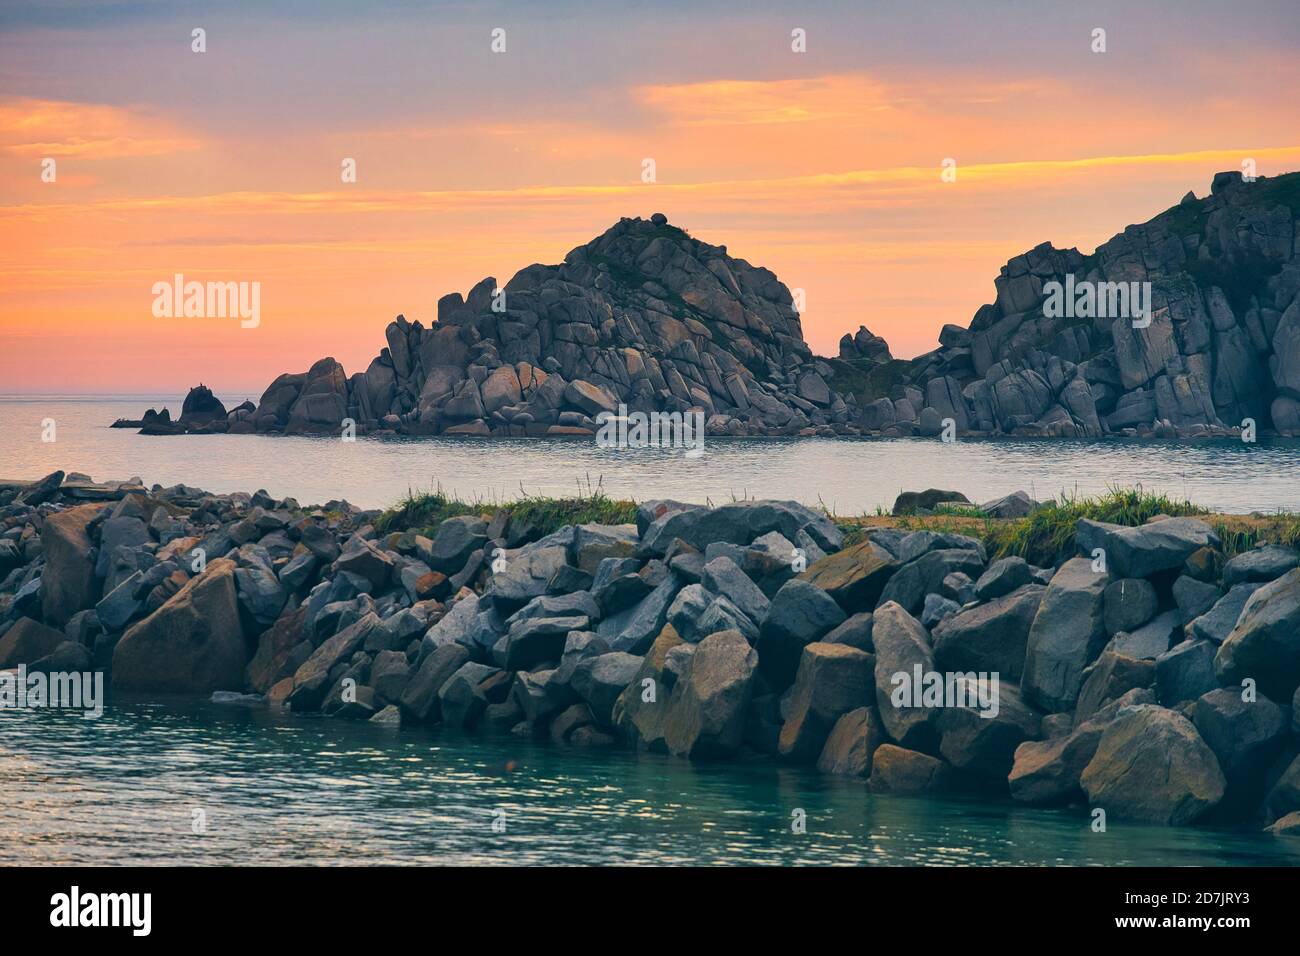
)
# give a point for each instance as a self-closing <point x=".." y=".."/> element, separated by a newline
<point x="848" y="476"/>
<point x="279" y="788"/>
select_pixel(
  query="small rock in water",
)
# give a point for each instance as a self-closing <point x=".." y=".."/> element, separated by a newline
<point x="233" y="697"/>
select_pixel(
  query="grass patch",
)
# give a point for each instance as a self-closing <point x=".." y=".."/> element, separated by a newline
<point x="959" y="511"/>
<point x="1245" y="532"/>
<point x="1047" y="535"/>
<point x="422" y="512"/>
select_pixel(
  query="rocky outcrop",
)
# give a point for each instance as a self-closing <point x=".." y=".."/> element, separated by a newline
<point x="648" y="317"/>
<point x="1222" y="344"/>
<point x="643" y="315"/>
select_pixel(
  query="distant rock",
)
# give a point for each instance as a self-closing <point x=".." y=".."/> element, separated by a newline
<point x="922" y="502"/>
<point x="201" y="407"/>
<point x="1222" y="344"/>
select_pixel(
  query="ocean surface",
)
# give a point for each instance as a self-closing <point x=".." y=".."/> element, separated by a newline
<point x="850" y="477"/>
<point x="268" y="788"/>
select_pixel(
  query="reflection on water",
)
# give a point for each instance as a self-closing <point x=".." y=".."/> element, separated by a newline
<point x="848" y="476"/>
<point x="279" y="788"/>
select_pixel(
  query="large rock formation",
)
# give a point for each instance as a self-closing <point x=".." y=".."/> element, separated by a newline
<point x="642" y="315"/>
<point x="1223" y="343"/>
<point x="646" y="316"/>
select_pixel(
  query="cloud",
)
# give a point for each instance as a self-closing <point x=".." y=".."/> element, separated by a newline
<point x="39" y="128"/>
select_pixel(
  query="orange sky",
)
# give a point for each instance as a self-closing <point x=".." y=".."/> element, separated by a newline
<point x="823" y="166"/>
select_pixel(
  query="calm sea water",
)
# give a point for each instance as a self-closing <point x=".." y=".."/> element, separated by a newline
<point x="277" y="788"/>
<point x="848" y="476"/>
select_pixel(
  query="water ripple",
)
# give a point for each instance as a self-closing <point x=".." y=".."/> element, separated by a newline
<point x="278" y="788"/>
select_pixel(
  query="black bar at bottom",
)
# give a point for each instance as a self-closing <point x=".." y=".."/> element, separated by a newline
<point x="339" y="906"/>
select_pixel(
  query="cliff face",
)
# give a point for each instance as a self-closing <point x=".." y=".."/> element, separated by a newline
<point x="1222" y="343"/>
<point x="642" y="315"/>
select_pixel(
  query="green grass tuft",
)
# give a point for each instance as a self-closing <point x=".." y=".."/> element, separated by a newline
<point x="1047" y="535"/>
<point x="422" y="512"/>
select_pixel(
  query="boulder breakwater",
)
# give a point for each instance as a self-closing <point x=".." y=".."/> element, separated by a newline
<point x="1147" y="671"/>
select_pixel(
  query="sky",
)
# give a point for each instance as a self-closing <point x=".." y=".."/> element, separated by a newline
<point x="824" y="165"/>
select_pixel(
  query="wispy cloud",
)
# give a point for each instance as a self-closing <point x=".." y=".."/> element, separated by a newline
<point x="33" y="127"/>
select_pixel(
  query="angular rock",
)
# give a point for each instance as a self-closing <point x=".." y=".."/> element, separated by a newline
<point x="1265" y="563"/>
<point x="536" y="640"/>
<point x="275" y="652"/>
<point x="634" y="630"/>
<point x="1194" y="597"/>
<point x="990" y="637"/>
<point x="901" y="771"/>
<point x="1002" y="577"/>
<point x="800" y="614"/>
<point x="193" y="644"/>
<point x="832" y="680"/>
<point x="1139" y="552"/>
<point x="365" y="559"/>
<point x="27" y="641"/>
<point x="901" y="645"/>
<point x="854" y="577"/>
<point x="855" y="632"/>
<point x="68" y="583"/>
<point x="852" y="743"/>
<point x="1048" y="771"/>
<point x="312" y="682"/>
<point x="1150" y="640"/>
<point x="1128" y="604"/>
<point x="1246" y="737"/>
<point x="914" y="580"/>
<point x="599" y="680"/>
<point x="980" y="732"/>
<point x="642" y="709"/>
<point x="1217" y="623"/>
<point x="463" y="698"/>
<point x="1110" y="677"/>
<point x="420" y="697"/>
<point x="937" y="609"/>
<point x="1067" y="635"/>
<point x="1185" y="672"/>
<point x="722" y="576"/>
<point x="456" y="540"/>
<point x="1265" y="643"/>
<point x="1152" y="766"/>
<point x="706" y="712"/>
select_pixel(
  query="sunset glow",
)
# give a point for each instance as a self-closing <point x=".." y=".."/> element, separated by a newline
<point x="822" y="166"/>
